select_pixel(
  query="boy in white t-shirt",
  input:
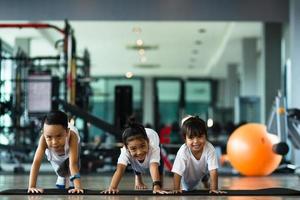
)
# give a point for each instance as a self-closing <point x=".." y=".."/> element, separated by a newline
<point x="141" y="150"/>
<point x="196" y="159"/>
<point x="60" y="142"/>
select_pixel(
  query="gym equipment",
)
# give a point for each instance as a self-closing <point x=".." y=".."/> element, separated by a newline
<point x="249" y="150"/>
<point x="39" y="93"/>
<point x="123" y="106"/>
<point x="257" y="192"/>
<point x="284" y="123"/>
<point x="33" y="82"/>
<point x="68" y="55"/>
<point x="97" y="153"/>
<point x="87" y="117"/>
<point x="5" y="107"/>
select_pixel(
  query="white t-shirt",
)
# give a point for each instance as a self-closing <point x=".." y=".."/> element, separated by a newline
<point x="153" y="155"/>
<point x="192" y="170"/>
<point x="55" y="159"/>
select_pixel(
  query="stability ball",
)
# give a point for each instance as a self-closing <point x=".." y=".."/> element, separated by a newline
<point x="249" y="150"/>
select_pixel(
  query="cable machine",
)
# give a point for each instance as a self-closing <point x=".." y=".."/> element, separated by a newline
<point x="30" y="72"/>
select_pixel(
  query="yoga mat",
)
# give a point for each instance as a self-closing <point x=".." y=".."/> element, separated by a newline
<point x="257" y="192"/>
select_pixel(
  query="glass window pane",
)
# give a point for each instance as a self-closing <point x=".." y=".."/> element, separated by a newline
<point x="168" y="97"/>
<point x="104" y="96"/>
<point x="198" y="97"/>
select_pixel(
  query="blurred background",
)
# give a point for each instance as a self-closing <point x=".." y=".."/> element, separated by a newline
<point x="103" y="61"/>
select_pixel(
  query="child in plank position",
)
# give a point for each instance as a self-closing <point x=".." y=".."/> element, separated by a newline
<point x="141" y="150"/>
<point x="196" y="159"/>
<point x="60" y="142"/>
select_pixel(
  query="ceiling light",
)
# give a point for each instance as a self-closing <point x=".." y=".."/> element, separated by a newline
<point x="129" y="74"/>
<point x="141" y="52"/>
<point x="193" y="59"/>
<point x="210" y="122"/>
<point x="139" y="42"/>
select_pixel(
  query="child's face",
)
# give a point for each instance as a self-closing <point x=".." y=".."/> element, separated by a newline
<point x="138" y="148"/>
<point x="55" y="136"/>
<point x="195" y="143"/>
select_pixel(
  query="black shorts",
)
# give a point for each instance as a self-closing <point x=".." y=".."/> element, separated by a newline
<point x="64" y="168"/>
<point x="205" y="178"/>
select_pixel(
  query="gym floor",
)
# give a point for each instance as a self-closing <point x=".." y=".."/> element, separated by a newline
<point x="97" y="182"/>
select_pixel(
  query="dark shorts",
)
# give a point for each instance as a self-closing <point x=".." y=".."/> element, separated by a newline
<point x="205" y="178"/>
<point x="64" y="168"/>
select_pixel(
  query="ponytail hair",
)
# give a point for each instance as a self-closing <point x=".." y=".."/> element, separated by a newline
<point x="133" y="131"/>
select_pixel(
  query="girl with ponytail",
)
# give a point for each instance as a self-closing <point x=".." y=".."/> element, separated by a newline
<point x="141" y="150"/>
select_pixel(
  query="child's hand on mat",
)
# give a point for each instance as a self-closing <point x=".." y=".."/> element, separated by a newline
<point x="179" y="191"/>
<point x="217" y="192"/>
<point x="157" y="190"/>
<point x="35" y="190"/>
<point x="111" y="191"/>
<point x="76" y="191"/>
<point x="140" y="186"/>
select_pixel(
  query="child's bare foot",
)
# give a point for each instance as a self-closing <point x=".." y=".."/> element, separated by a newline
<point x="140" y="186"/>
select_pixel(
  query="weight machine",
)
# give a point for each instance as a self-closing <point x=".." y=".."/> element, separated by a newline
<point x="30" y="74"/>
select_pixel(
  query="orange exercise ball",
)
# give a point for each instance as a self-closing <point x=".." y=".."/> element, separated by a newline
<point x="249" y="150"/>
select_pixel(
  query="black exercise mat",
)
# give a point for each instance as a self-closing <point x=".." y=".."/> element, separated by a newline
<point x="257" y="192"/>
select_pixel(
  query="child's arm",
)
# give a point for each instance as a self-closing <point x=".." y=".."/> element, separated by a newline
<point x="73" y="163"/>
<point x="214" y="182"/>
<point x="113" y="188"/>
<point x="213" y="172"/>
<point x="39" y="154"/>
<point x="157" y="184"/>
<point x="176" y="183"/>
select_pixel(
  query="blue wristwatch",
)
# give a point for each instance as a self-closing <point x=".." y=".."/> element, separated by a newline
<point x="75" y="176"/>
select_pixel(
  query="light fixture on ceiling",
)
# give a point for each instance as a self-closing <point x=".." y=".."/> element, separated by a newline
<point x="137" y="30"/>
<point x="147" y="66"/>
<point x="142" y="52"/>
<point x="145" y="47"/>
<point x="140" y="46"/>
<point x="210" y="122"/>
<point x="129" y="74"/>
<point x="201" y="30"/>
<point x="198" y="42"/>
<point x="139" y="42"/>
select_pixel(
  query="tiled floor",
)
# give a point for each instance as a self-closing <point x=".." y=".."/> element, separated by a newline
<point x="101" y="182"/>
